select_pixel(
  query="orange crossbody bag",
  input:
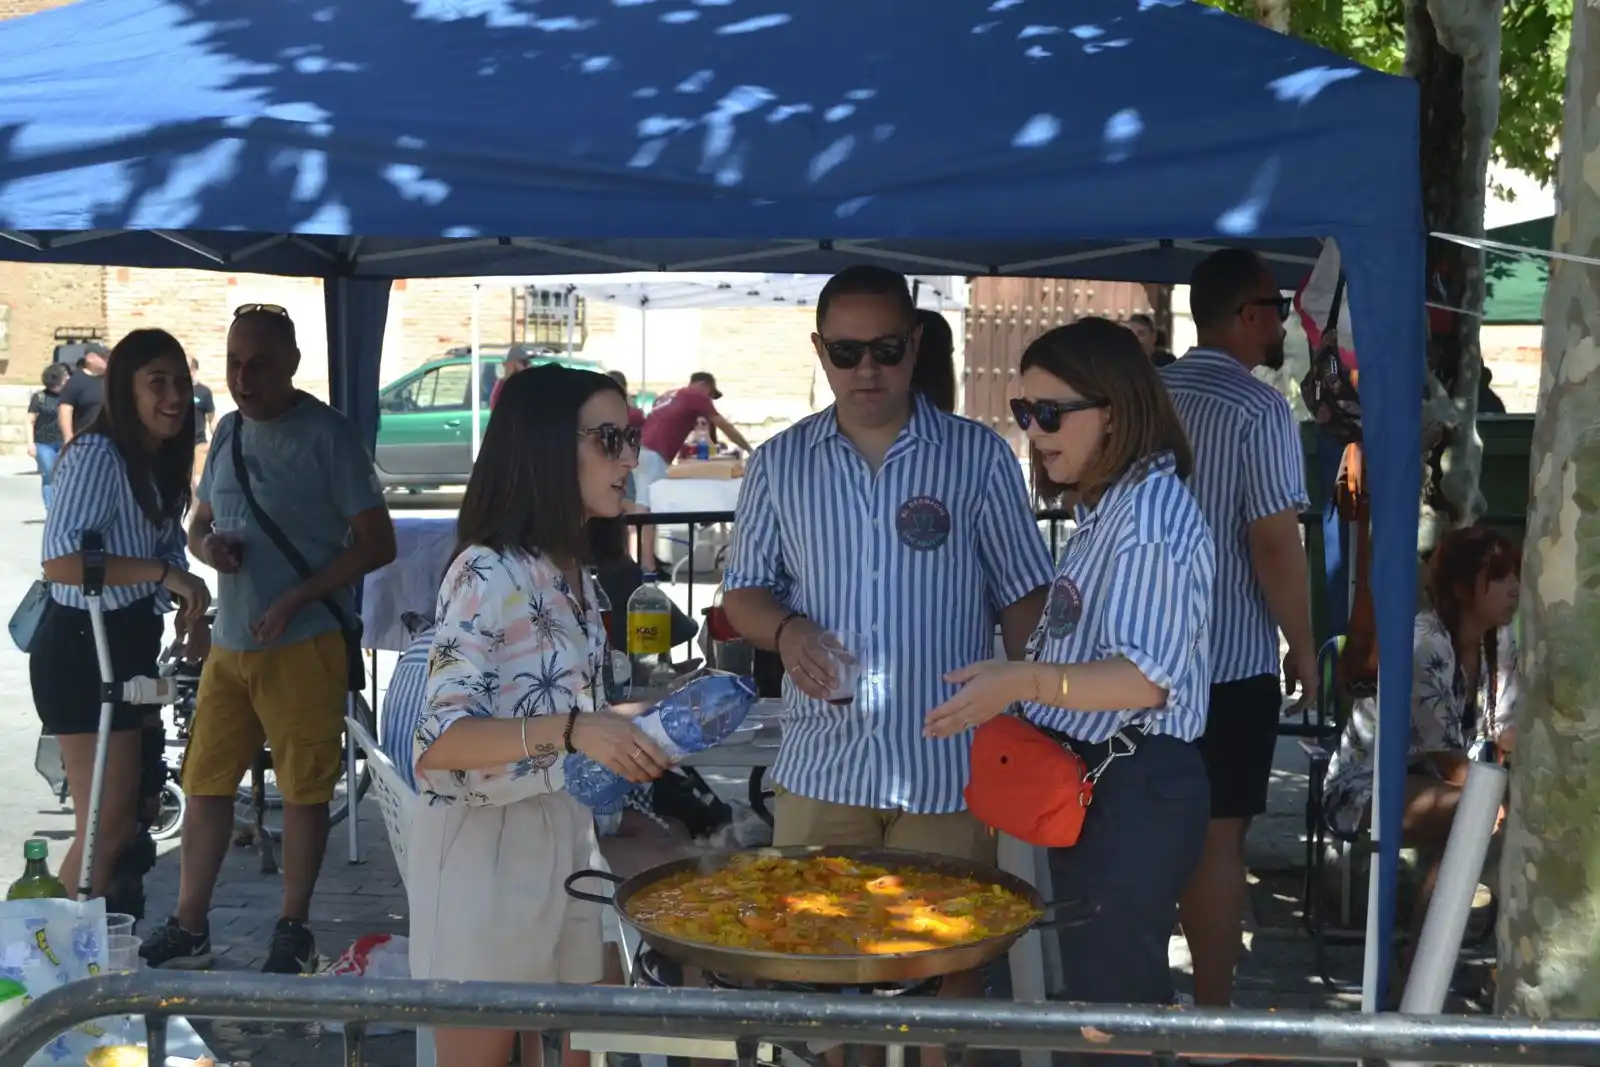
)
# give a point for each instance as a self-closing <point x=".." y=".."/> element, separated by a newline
<point x="1030" y="783"/>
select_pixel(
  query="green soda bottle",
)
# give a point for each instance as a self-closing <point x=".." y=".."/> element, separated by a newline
<point x="36" y="883"/>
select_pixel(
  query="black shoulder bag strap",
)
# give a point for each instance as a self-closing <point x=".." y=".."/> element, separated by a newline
<point x="349" y="627"/>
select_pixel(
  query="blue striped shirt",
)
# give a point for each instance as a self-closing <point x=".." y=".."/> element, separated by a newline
<point x="404" y="704"/>
<point x="1134" y="582"/>
<point x="92" y="493"/>
<point x="1247" y="465"/>
<point x="917" y="560"/>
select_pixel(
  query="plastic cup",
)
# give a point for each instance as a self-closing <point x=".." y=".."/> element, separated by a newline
<point x="118" y="922"/>
<point x="231" y="532"/>
<point x="122" y="952"/>
<point x="839" y="648"/>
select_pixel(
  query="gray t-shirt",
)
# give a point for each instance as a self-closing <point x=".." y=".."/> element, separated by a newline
<point x="310" y="472"/>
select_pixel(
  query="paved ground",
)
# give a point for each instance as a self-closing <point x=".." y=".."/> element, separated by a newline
<point x="1277" y="970"/>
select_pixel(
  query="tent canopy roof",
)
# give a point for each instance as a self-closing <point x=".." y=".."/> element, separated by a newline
<point x="407" y="138"/>
<point x="655" y="292"/>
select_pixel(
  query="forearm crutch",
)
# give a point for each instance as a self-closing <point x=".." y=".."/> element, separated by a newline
<point x="94" y="581"/>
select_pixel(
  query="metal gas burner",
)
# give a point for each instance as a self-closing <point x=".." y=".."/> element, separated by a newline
<point x="654" y="970"/>
<point x="651" y="968"/>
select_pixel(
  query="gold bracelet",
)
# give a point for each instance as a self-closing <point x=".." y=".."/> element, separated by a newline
<point x="1061" y="698"/>
<point x="525" y="753"/>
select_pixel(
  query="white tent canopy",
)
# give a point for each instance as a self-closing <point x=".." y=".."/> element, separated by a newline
<point x="668" y="291"/>
<point x="658" y="291"/>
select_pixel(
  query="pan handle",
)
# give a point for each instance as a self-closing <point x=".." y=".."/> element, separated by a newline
<point x="593" y="898"/>
<point x="1073" y="911"/>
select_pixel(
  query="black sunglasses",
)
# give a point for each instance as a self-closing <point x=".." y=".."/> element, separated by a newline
<point x="1284" y="304"/>
<point x="885" y="351"/>
<point x="260" y="309"/>
<point x="614" y="439"/>
<point x="1049" y="413"/>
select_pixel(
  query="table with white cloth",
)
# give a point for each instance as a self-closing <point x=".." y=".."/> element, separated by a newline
<point x="670" y="496"/>
<point x="423" y="548"/>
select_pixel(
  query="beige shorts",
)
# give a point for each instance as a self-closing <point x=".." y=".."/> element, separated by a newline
<point x="486" y="895"/>
<point x="799" y="820"/>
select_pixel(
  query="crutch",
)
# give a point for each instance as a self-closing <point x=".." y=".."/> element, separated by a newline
<point x="94" y="581"/>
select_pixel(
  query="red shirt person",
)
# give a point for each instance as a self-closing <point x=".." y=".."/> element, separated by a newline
<point x="516" y="360"/>
<point x="670" y="422"/>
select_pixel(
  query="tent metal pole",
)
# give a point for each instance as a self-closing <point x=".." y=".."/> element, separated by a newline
<point x="476" y="388"/>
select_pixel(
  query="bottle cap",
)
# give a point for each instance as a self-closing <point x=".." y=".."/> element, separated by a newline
<point x="36" y="849"/>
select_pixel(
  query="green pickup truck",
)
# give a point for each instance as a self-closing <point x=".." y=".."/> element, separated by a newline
<point x="425" y="417"/>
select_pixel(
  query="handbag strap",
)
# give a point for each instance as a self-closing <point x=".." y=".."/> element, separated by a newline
<point x="241" y="474"/>
<point x="1335" y="305"/>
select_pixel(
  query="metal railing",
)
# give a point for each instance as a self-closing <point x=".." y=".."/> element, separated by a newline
<point x="748" y="1018"/>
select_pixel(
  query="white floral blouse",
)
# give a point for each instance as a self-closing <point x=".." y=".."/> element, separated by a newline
<point x="512" y="641"/>
<point x="1439" y="718"/>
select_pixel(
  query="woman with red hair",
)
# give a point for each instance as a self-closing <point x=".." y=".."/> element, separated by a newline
<point x="1464" y="697"/>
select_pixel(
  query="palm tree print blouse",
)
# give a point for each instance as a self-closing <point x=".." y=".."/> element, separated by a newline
<point x="512" y="641"/>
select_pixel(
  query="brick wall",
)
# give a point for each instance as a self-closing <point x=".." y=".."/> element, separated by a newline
<point x="37" y="299"/>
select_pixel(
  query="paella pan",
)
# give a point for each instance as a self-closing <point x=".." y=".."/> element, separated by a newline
<point x="830" y="916"/>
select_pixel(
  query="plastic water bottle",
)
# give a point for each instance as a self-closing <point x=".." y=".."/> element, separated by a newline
<point x="693" y="719"/>
<point x="649" y="621"/>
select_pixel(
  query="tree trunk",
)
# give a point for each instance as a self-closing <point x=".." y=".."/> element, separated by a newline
<point x="1453" y="50"/>
<point x="1550" y="873"/>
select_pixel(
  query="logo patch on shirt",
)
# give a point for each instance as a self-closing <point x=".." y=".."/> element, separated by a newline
<point x="923" y="523"/>
<point x="1061" y="615"/>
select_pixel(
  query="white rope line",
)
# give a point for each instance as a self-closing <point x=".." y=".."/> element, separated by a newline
<point x="1484" y="244"/>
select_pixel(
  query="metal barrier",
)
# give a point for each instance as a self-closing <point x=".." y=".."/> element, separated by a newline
<point x="778" y="1016"/>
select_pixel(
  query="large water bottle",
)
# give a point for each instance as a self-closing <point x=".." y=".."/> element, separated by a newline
<point x="693" y="719"/>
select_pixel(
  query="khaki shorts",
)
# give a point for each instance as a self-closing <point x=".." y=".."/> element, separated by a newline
<point x="486" y="895"/>
<point x="799" y="820"/>
<point x="290" y="698"/>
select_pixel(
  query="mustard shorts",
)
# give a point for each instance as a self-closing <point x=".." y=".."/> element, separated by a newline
<point x="290" y="698"/>
<point x="799" y="820"/>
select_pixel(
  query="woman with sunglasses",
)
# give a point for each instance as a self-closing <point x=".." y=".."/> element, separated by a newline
<point x="514" y="687"/>
<point x="1117" y="668"/>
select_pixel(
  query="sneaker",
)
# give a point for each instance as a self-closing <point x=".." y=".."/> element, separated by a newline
<point x="293" y="949"/>
<point x="172" y="947"/>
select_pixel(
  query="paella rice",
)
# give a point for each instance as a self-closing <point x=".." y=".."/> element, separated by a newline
<point x="828" y="906"/>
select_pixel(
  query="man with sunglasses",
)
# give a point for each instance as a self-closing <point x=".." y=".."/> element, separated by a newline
<point x="1249" y="479"/>
<point x="907" y="529"/>
<point x="290" y="487"/>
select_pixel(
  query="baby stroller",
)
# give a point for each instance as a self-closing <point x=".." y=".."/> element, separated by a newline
<point x="161" y="801"/>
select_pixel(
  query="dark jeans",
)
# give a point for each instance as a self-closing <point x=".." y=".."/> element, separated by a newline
<point x="1141" y="841"/>
<point x="45" y="457"/>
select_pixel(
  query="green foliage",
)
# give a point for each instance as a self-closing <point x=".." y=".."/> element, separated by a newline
<point x="1533" y="54"/>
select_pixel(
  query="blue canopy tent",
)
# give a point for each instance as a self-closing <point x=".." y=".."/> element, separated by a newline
<point x="361" y="142"/>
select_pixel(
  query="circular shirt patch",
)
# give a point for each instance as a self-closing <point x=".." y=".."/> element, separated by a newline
<point x="1061" y="615"/>
<point x="923" y="523"/>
